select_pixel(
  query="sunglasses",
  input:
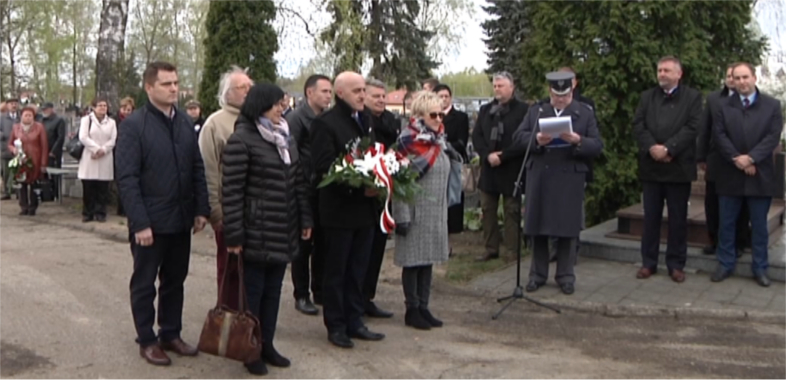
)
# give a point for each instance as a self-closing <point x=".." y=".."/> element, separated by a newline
<point x="435" y="115"/>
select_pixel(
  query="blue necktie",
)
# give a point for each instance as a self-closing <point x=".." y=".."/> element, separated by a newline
<point x="746" y="103"/>
<point x="356" y="116"/>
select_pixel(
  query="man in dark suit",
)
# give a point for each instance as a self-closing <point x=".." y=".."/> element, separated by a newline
<point x="665" y="128"/>
<point x="161" y="178"/>
<point x="457" y="132"/>
<point x="500" y="160"/>
<point x="319" y="92"/>
<point x="347" y="215"/>
<point x="556" y="174"/>
<point x="385" y="128"/>
<point x="708" y="158"/>
<point x="746" y="132"/>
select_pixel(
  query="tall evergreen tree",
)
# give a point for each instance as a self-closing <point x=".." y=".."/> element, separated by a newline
<point x="238" y="33"/>
<point x="614" y="47"/>
<point x="505" y="33"/>
<point x="384" y="32"/>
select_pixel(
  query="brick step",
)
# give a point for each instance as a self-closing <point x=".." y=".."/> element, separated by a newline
<point x="630" y="221"/>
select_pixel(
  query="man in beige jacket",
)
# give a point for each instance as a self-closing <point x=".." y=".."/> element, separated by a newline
<point x="232" y="91"/>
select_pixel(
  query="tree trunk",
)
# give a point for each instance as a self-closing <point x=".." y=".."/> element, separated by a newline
<point x="111" y="46"/>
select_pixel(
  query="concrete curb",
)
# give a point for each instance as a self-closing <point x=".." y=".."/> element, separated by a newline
<point x="619" y="311"/>
<point x="629" y="311"/>
<point x="120" y="237"/>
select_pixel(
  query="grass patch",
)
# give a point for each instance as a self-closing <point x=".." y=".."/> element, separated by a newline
<point x="462" y="267"/>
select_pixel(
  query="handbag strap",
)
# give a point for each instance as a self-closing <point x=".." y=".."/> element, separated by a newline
<point x="243" y="302"/>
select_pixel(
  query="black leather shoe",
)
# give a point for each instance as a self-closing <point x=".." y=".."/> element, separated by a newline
<point x="532" y="286"/>
<point x="23" y="212"/>
<point x="364" y="333"/>
<point x="257" y="367"/>
<point x="708" y="250"/>
<point x="31" y="212"/>
<point x="567" y="288"/>
<point x="433" y="321"/>
<point x="340" y="339"/>
<point x="272" y="357"/>
<point x="488" y="256"/>
<point x="305" y="306"/>
<point x="374" y="312"/>
<point x="762" y="280"/>
<point x="86" y="219"/>
<point x="720" y="274"/>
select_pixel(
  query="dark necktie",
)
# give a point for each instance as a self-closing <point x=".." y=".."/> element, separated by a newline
<point x="356" y="116"/>
<point x="746" y="103"/>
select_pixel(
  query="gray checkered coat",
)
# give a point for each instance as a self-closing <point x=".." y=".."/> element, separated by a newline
<point x="427" y="240"/>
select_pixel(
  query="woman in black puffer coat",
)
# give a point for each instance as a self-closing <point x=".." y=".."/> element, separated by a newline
<point x="266" y="210"/>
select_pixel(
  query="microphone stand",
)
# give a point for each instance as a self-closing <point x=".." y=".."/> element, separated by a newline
<point x="518" y="292"/>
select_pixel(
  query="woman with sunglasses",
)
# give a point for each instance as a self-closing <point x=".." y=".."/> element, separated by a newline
<point x="422" y="226"/>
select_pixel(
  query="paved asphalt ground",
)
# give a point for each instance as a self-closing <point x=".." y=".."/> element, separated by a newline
<point x="65" y="313"/>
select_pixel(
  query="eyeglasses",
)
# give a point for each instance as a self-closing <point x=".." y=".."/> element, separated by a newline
<point x="435" y="115"/>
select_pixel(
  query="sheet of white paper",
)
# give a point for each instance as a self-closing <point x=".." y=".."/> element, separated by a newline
<point x="555" y="126"/>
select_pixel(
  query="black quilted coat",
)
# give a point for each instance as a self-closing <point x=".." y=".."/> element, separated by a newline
<point x="265" y="201"/>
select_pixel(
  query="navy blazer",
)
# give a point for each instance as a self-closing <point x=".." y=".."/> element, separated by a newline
<point x="159" y="171"/>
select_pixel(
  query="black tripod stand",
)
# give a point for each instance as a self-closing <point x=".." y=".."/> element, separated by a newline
<point x="518" y="292"/>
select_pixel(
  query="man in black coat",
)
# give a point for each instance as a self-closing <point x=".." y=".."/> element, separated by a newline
<point x="457" y="135"/>
<point x="347" y="215"/>
<point x="385" y="127"/>
<point x="708" y="158"/>
<point x="746" y="132"/>
<point x="55" y="133"/>
<point x="319" y="92"/>
<point x="161" y="178"/>
<point x="500" y="160"/>
<point x="665" y="127"/>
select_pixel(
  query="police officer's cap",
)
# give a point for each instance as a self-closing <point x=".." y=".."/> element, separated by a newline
<point x="560" y="82"/>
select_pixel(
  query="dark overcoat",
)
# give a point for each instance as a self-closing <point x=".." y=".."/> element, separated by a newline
<point x="556" y="176"/>
<point x="754" y="132"/>
<point x="500" y="179"/>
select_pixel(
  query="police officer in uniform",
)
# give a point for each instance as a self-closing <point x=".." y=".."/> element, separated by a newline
<point x="556" y="173"/>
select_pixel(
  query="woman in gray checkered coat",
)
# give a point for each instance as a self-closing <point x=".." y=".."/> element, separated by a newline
<point x="422" y="226"/>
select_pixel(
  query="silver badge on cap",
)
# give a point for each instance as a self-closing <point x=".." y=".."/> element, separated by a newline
<point x="561" y="83"/>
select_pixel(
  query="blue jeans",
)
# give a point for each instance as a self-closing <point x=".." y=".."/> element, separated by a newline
<point x="729" y="211"/>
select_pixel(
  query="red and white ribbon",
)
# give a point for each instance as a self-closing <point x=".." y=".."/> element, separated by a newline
<point x="386" y="222"/>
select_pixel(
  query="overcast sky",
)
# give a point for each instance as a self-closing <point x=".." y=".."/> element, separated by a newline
<point x="297" y="46"/>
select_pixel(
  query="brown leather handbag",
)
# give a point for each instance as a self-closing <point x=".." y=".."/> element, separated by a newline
<point x="233" y="334"/>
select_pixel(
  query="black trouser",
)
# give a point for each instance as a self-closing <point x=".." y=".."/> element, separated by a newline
<point x="54" y="181"/>
<point x="566" y="259"/>
<point x="28" y="199"/>
<point x="676" y="196"/>
<point x="712" y="214"/>
<point x="95" y="196"/>
<point x="311" y="252"/>
<point x="167" y="258"/>
<point x="346" y="262"/>
<point x="263" y="291"/>
<point x="417" y="285"/>
<point x="374" y="264"/>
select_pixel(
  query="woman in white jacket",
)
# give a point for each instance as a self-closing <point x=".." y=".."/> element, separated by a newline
<point x="98" y="133"/>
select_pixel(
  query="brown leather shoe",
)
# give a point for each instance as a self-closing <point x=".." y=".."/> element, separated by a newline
<point x="677" y="275"/>
<point x="154" y="355"/>
<point x="644" y="273"/>
<point x="180" y="347"/>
